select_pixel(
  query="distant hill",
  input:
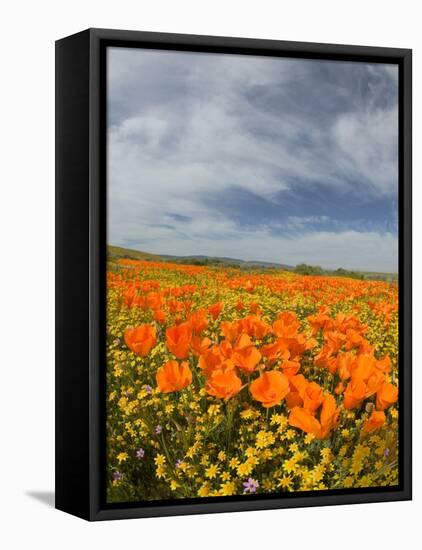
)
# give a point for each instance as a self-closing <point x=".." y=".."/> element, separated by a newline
<point x="117" y="252"/>
<point x="224" y="260"/>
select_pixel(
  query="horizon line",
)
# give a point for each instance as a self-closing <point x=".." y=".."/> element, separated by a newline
<point x="358" y="270"/>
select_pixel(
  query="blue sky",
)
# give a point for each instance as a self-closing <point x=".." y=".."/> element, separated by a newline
<point x="273" y="159"/>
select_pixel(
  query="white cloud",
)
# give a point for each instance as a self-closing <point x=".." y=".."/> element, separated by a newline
<point x="347" y="249"/>
<point x="183" y="125"/>
<point x="368" y="145"/>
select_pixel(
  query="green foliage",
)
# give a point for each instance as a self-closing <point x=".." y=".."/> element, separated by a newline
<point x="305" y="269"/>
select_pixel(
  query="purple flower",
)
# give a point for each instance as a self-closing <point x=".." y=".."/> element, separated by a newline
<point x="117" y="476"/>
<point x="386" y="452"/>
<point x="158" y="429"/>
<point x="250" y="486"/>
<point x="148" y="389"/>
<point x="140" y="453"/>
<point x="178" y="463"/>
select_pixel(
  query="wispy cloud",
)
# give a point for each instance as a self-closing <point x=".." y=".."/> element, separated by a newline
<point x="256" y="158"/>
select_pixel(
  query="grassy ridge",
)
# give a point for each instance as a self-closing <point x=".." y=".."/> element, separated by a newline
<point x="116" y="252"/>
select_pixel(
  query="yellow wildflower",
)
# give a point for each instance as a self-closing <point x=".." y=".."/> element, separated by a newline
<point x="212" y="471"/>
<point x="121" y="457"/>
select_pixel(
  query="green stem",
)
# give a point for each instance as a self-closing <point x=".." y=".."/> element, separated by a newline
<point x="166" y="451"/>
<point x="229" y="425"/>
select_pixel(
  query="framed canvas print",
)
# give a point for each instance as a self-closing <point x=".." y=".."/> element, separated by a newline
<point x="233" y="274"/>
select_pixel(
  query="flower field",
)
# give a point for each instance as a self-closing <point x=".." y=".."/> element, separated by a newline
<point x="221" y="382"/>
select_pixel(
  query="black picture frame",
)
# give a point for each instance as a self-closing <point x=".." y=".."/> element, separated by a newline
<point x="80" y="270"/>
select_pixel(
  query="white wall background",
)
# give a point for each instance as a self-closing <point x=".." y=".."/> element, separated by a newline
<point x="28" y="31"/>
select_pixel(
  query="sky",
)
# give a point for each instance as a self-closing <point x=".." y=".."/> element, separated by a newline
<point x="257" y="158"/>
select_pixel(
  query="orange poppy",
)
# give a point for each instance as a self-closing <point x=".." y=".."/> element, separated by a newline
<point x="141" y="339"/>
<point x="260" y="328"/>
<point x="331" y="364"/>
<point x="246" y="359"/>
<point x="304" y="420"/>
<point x="254" y="326"/>
<point x="293" y="399"/>
<point x="200" y="345"/>
<point x="245" y="355"/>
<point x="210" y="360"/>
<point x="198" y="321"/>
<point x="387" y="395"/>
<point x="242" y="342"/>
<point x="328" y="417"/>
<point x="249" y="286"/>
<point x="270" y="388"/>
<point x="325" y="359"/>
<point x="286" y="325"/>
<point x="290" y="368"/>
<point x="175" y="306"/>
<point x="297" y="385"/>
<point x="335" y="341"/>
<point x="223" y="383"/>
<point x="173" y="377"/>
<point x="374" y="422"/>
<point x="363" y="367"/>
<point x="374" y="382"/>
<point x="254" y="307"/>
<point x="353" y="339"/>
<point x="154" y="300"/>
<point x="277" y="350"/>
<point x="226" y="349"/>
<point x="299" y="344"/>
<point x="344" y="364"/>
<point x="216" y="309"/>
<point x="354" y="394"/>
<point x="178" y="339"/>
<point x="384" y="364"/>
<point x="160" y="316"/>
<point x="230" y="330"/>
<point x="318" y="321"/>
<point x="339" y="389"/>
<point x="312" y="396"/>
<point x="141" y="302"/>
<point x="129" y="297"/>
<point x="240" y="305"/>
